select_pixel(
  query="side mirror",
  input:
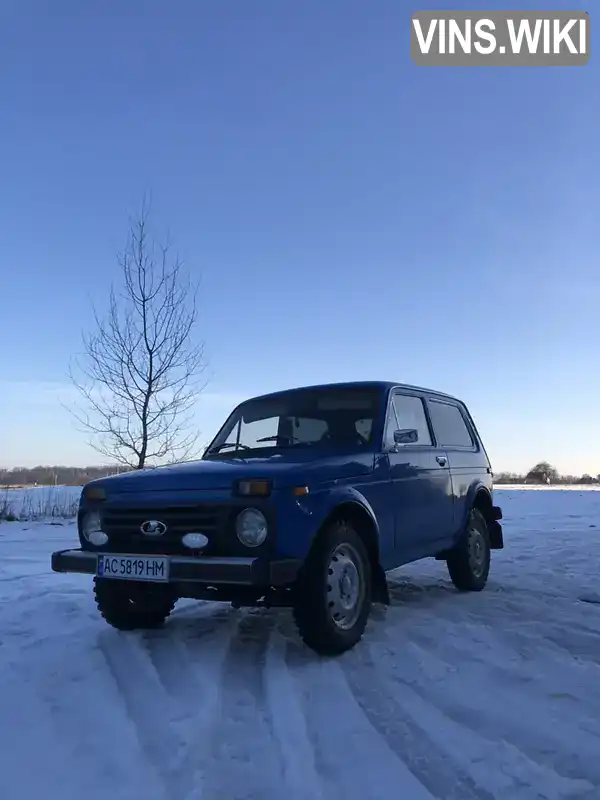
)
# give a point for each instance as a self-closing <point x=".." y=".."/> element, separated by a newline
<point x="406" y="436"/>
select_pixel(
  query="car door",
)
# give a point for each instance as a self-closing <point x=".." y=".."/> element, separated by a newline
<point x="421" y="485"/>
<point x="467" y="462"/>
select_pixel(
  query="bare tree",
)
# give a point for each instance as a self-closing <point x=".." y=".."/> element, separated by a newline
<point x="138" y="376"/>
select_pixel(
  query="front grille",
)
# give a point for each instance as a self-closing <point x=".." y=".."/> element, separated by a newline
<point x="215" y="521"/>
<point x="123" y="527"/>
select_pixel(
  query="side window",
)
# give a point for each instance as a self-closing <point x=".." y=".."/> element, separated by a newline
<point x="449" y="425"/>
<point x="410" y="413"/>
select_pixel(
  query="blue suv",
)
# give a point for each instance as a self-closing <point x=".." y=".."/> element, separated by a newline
<point x="305" y="498"/>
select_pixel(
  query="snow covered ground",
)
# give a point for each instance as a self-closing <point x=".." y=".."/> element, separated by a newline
<point x="34" y="502"/>
<point x="531" y="487"/>
<point x="494" y="696"/>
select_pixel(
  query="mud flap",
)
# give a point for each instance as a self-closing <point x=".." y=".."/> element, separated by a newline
<point x="381" y="592"/>
<point x="496" y="535"/>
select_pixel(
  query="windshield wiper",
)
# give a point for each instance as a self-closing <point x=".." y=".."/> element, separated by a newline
<point x="237" y="445"/>
<point x="277" y="438"/>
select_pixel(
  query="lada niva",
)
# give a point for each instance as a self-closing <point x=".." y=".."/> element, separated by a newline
<point x="305" y="498"/>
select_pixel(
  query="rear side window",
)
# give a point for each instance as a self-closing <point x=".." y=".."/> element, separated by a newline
<point x="410" y="413"/>
<point x="449" y="425"/>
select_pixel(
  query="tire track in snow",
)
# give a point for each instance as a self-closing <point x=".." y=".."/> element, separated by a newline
<point x="188" y="657"/>
<point x="186" y="644"/>
<point x="144" y="700"/>
<point x="519" y="616"/>
<point x="351" y="759"/>
<point x="527" y="626"/>
<point x="300" y="775"/>
<point x="469" y="710"/>
<point x="539" y="740"/>
<point x="477" y="684"/>
<point x="484" y="652"/>
<point x="158" y="727"/>
<point x="413" y="745"/>
<point x="502" y="624"/>
<point x="245" y="758"/>
<point x="24" y="577"/>
<point x="62" y="721"/>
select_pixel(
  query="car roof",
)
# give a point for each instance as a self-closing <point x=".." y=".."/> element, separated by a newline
<point x="381" y="385"/>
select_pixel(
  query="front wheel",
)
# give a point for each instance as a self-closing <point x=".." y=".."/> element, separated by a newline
<point x="469" y="562"/>
<point x="333" y="593"/>
<point x="132" y="605"/>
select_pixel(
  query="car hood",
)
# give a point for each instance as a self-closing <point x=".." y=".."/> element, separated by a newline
<point x="284" y="469"/>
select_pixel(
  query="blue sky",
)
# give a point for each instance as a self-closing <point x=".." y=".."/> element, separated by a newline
<point x="369" y="218"/>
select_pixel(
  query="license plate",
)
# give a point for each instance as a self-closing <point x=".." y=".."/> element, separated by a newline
<point x="133" y="568"/>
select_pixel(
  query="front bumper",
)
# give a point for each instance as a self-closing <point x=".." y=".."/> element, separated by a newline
<point x="224" y="571"/>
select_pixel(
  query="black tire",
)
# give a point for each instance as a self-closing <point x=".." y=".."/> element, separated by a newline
<point x="131" y="605"/>
<point x="469" y="562"/>
<point x="319" y="601"/>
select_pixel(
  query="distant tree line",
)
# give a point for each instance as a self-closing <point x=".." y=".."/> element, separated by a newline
<point x="542" y="473"/>
<point x="545" y="474"/>
<point x="55" y="476"/>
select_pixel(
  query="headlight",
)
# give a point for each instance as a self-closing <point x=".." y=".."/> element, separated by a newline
<point x="91" y="528"/>
<point x="251" y="527"/>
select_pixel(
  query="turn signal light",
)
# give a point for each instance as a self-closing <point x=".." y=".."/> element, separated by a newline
<point x="254" y="488"/>
<point x="94" y="493"/>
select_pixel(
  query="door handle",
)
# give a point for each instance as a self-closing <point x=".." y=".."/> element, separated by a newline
<point x="442" y="460"/>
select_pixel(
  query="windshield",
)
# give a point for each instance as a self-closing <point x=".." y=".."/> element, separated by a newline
<point x="334" y="418"/>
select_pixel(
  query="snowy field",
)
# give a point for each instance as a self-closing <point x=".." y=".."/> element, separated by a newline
<point x="39" y="502"/>
<point x="59" y="502"/>
<point x="494" y="696"/>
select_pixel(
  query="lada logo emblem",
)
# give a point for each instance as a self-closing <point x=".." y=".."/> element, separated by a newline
<point x="153" y="527"/>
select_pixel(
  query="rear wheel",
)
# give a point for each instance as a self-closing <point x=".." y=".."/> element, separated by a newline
<point x="332" y="597"/>
<point x="131" y="605"/>
<point x="469" y="562"/>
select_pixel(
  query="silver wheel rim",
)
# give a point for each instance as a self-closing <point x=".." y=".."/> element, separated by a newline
<point x="477" y="552"/>
<point x="345" y="586"/>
